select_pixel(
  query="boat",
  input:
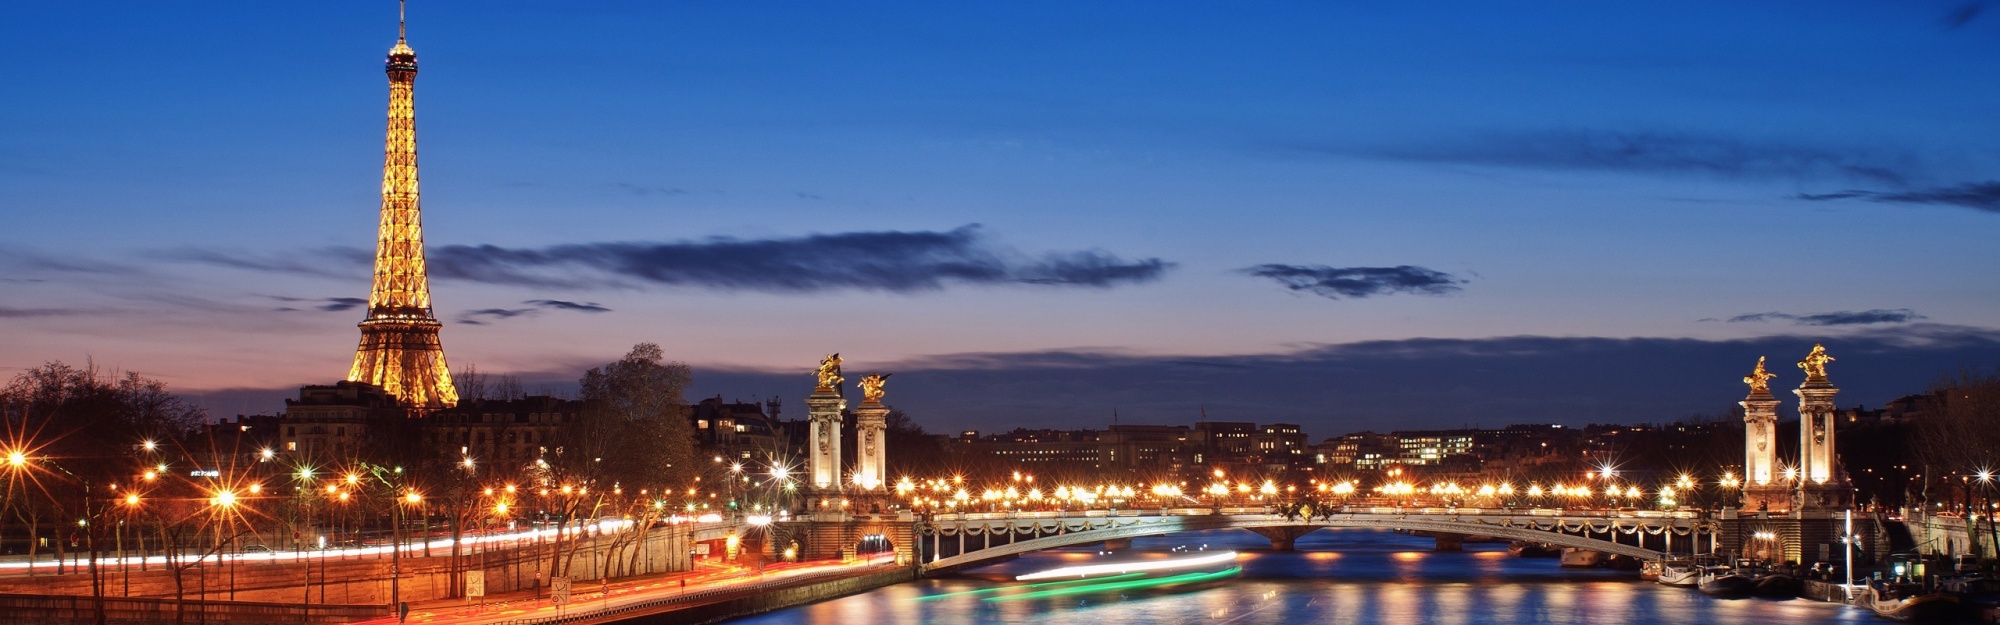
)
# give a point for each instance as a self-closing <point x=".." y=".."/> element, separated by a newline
<point x="1679" y="573"/>
<point x="1775" y="585"/>
<point x="1649" y="571"/>
<point x="1978" y="596"/>
<point x="1725" y="582"/>
<point x="1909" y="602"/>
<point x="1581" y="558"/>
<point x="1524" y="549"/>
<point x="1618" y="562"/>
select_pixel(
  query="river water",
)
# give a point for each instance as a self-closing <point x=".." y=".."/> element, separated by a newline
<point x="1336" y="578"/>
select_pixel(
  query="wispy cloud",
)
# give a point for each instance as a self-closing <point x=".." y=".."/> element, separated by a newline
<point x="1840" y="318"/>
<point x="9" y="312"/>
<point x="648" y="190"/>
<point x="1655" y="153"/>
<point x="1358" y="282"/>
<point x="1963" y="14"/>
<point x="1982" y="196"/>
<point x="31" y="261"/>
<point x="327" y="262"/>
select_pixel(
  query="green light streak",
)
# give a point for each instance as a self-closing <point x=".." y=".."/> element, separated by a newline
<point x="1040" y="585"/>
<point x="1184" y="578"/>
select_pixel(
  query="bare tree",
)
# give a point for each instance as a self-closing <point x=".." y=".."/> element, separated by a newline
<point x="471" y="384"/>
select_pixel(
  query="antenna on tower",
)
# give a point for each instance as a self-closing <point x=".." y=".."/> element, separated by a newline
<point x="402" y="9"/>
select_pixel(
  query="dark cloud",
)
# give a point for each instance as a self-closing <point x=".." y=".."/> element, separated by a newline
<point x="1657" y="153"/>
<point x="588" y="307"/>
<point x="1982" y="196"/>
<point x="1334" y="389"/>
<point x="485" y="316"/>
<point x="1358" y="282"/>
<point x="1387" y="385"/>
<point x="894" y="261"/>
<point x="1841" y="318"/>
<point x="328" y="304"/>
<point x="336" y="304"/>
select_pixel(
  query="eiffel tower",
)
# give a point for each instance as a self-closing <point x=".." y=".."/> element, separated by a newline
<point x="399" y="348"/>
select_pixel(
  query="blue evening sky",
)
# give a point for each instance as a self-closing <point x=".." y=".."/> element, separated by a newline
<point x="185" y="186"/>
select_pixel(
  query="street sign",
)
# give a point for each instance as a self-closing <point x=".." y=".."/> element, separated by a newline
<point x="559" y="590"/>
<point x="475" y="584"/>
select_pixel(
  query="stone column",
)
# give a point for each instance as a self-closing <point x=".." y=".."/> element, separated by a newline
<point x="1821" y="484"/>
<point x="1816" y="431"/>
<point x="823" y="448"/>
<point x="1764" y="486"/>
<point x="871" y="430"/>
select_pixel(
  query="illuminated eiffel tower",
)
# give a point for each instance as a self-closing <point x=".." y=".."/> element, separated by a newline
<point x="399" y="349"/>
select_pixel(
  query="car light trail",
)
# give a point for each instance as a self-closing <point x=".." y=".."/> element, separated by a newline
<point x="1184" y="578"/>
<point x="1129" y="567"/>
<point x="1040" y="585"/>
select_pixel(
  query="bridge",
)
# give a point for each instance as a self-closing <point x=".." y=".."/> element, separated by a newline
<point x="949" y="541"/>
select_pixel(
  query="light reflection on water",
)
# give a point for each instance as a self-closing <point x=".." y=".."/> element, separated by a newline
<point x="1338" y="578"/>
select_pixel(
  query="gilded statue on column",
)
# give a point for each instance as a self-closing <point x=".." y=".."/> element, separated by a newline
<point x="1815" y="363"/>
<point x="1759" y="379"/>
<point x="871" y="387"/>
<point x="829" y="372"/>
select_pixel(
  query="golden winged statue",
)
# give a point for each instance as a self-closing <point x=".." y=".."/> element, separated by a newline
<point x="871" y="387"/>
<point x="1759" y="379"/>
<point x="1815" y="363"/>
<point x="829" y="372"/>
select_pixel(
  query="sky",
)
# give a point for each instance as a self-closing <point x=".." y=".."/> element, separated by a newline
<point x="1345" y="215"/>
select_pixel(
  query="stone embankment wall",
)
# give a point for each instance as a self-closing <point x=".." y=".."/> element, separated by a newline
<point x="1951" y="535"/>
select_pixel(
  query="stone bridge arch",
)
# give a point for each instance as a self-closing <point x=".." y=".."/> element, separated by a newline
<point x="1547" y="531"/>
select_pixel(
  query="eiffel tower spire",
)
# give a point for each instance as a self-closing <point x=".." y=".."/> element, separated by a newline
<point x="399" y="348"/>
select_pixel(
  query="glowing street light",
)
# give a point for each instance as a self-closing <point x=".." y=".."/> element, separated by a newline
<point x="225" y="499"/>
<point x="17" y="459"/>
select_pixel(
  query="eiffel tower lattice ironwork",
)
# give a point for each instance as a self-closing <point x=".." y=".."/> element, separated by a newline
<point x="399" y="348"/>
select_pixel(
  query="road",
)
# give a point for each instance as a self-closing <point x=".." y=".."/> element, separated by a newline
<point x="710" y="583"/>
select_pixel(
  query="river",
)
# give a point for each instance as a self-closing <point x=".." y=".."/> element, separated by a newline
<point x="1336" y="578"/>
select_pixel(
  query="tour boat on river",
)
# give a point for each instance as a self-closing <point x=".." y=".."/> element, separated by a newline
<point x="1909" y="602"/>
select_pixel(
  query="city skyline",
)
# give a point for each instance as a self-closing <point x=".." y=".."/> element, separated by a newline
<point x="1147" y="213"/>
